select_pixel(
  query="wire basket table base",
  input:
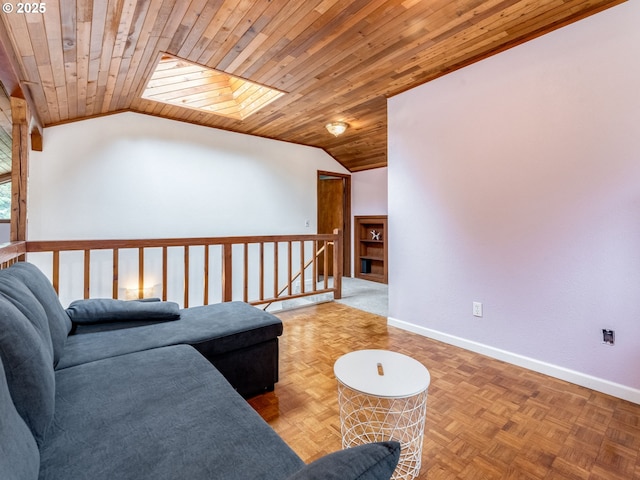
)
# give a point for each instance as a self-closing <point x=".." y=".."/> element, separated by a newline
<point x="368" y="418"/>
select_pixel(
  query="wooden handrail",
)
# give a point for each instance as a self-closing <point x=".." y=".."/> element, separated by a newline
<point x="251" y="275"/>
<point x="11" y="252"/>
<point x="72" y="245"/>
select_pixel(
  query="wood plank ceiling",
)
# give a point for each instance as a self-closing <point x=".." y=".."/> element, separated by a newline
<point x="335" y="59"/>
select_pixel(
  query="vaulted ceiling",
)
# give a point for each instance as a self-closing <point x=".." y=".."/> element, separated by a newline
<point x="333" y="59"/>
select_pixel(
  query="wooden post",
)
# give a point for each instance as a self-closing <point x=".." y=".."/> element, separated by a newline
<point x="19" y="169"/>
<point x="337" y="265"/>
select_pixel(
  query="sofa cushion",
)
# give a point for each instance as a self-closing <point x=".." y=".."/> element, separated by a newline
<point x="161" y="414"/>
<point x="100" y="310"/>
<point x="28" y="305"/>
<point x="26" y="352"/>
<point x="212" y="329"/>
<point x="373" y="461"/>
<point x="40" y="286"/>
<point x="19" y="456"/>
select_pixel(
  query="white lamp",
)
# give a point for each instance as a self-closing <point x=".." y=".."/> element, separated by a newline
<point x="137" y="293"/>
<point x="336" y="128"/>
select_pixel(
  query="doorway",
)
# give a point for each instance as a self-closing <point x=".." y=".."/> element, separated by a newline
<point x="334" y="211"/>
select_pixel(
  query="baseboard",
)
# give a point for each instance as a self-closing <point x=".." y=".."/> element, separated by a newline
<point x="598" y="384"/>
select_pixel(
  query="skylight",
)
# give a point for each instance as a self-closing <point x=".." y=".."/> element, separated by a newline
<point x="185" y="84"/>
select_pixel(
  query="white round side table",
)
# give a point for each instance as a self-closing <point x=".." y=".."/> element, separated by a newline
<point x="382" y="395"/>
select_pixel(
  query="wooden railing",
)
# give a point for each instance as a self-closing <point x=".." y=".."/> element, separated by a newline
<point x="11" y="253"/>
<point x="259" y="270"/>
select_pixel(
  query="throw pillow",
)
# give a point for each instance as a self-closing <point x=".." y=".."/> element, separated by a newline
<point x="373" y="461"/>
<point x="98" y="310"/>
<point x="28" y="364"/>
<point x="42" y="289"/>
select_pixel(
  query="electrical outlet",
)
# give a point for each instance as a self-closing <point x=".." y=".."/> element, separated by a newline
<point x="608" y="337"/>
<point x="477" y="309"/>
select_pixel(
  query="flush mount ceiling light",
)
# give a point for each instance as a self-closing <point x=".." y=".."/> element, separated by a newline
<point x="185" y="84"/>
<point x="336" y="128"/>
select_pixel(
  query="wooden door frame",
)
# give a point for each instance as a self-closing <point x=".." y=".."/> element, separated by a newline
<point x="346" y="228"/>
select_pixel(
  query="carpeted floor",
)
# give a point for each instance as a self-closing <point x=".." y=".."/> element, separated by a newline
<point x="369" y="296"/>
<point x="364" y="295"/>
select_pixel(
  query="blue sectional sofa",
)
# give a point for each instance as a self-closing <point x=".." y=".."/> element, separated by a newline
<point x="240" y="340"/>
<point x="125" y="404"/>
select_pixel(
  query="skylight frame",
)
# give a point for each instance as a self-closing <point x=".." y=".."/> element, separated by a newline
<point x="181" y="83"/>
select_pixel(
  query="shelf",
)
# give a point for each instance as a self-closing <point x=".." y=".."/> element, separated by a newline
<point x="370" y="254"/>
<point x="373" y="277"/>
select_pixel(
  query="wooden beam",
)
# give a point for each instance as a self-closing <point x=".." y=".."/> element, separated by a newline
<point x="19" y="169"/>
<point x="36" y="139"/>
<point x="10" y="78"/>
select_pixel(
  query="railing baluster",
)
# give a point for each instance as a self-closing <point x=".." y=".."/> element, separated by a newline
<point x="186" y="276"/>
<point x="140" y="272"/>
<point x="87" y="272"/>
<point x="261" y="272"/>
<point x="337" y="265"/>
<point x="245" y="294"/>
<point x="227" y="265"/>
<point x="206" y="274"/>
<point x="275" y="269"/>
<point x="302" y="267"/>
<point x="56" y="271"/>
<point x="314" y="266"/>
<point x="165" y="274"/>
<point x="289" y="271"/>
<point x="325" y="266"/>
<point x="115" y="260"/>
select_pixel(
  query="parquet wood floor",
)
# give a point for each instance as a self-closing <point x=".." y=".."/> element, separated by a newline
<point x="486" y="419"/>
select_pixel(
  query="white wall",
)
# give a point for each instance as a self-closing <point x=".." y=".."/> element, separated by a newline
<point x="515" y="182"/>
<point x="369" y="192"/>
<point x="368" y="197"/>
<point x="136" y="176"/>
